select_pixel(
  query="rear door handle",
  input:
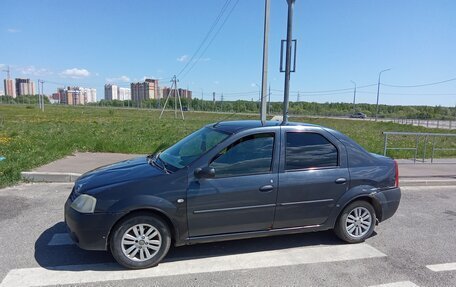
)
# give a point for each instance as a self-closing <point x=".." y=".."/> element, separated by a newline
<point x="266" y="188"/>
<point x="341" y="180"/>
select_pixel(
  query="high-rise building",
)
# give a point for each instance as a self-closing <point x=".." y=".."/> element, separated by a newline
<point x="153" y="88"/>
<point x="110" y="92"/>
<point x="76" y="95"/>
<point x="124" y="94"/>
<point x="10" y="90"/>
<point x="145" y="90"/>
<point x="24" y="87"/>
<point x="183" y="93"/>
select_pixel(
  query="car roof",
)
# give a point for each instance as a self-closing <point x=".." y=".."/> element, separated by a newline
<point x="241" y="125"/>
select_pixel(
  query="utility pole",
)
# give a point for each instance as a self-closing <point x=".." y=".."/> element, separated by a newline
<point x="288" y="60"/>
<point x="8" y="76"/>
<point x="41" y="95"/>
<point x="221" y="102"/>
<point x="298" y="98"/>
<point x="378" y="90"/>
<point x="202" y="100"/>
<point x="213" y="100"/>
<point x="269" y="100"/>
<point x="177" y="97"/>
<point x="354" y="97"/>
<point x="264" y="77"/>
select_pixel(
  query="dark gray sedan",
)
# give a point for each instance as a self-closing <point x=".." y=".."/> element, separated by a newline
<point x="233" y="180"/>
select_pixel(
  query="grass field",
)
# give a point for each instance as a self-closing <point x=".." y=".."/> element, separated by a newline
<point x="30" y="138"/>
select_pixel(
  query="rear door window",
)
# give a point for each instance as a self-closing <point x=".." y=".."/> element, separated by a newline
<point x="309" y="150"/>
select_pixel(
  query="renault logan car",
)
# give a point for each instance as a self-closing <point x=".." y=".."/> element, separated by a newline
<point x="233" y="180"/>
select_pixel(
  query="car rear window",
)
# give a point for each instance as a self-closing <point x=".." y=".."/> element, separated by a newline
<point x="309" y="150"/>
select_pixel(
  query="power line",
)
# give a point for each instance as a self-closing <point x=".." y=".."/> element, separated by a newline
<point x="214" y="24"/>
<point x="212" y="39"/>
<point x="420" y="85"/>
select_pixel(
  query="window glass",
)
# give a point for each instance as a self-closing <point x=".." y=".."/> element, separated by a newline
<point x="309" y="150"/>
<point x="192" y="147"/>
<point x="249" y="155"/>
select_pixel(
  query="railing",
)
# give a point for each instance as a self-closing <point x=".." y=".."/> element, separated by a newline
<point x="418" y="138"/>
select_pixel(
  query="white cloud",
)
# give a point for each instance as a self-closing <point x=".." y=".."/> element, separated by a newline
<point x="75" y="73"/>
<point x="13" y="30"/>
<point x="183" y="58"/>
<point x="121" y="79"/>
<point x="34" y="71"/>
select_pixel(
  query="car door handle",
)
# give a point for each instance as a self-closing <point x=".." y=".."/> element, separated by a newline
<point x="341" y="180"/>
<point x="266" y="188"/>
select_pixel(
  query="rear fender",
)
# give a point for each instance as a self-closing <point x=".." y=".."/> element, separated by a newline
<point x="358" y="192"/>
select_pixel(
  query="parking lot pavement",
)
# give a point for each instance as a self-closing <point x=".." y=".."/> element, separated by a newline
<point x="414" y="248"/>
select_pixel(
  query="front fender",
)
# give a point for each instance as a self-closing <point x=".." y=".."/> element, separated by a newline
<point x="175" y="213"/>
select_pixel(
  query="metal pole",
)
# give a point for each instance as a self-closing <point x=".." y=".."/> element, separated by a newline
<point x="385" y="146"/>
<point x="264" y="78"/>
<point x="286" y="96"/>
<point x="354" y="97"/>
<point x="378" y="90"/>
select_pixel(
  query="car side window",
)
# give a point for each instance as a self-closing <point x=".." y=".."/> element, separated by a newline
<point x="309" y="150"/>
<point x="247" y="156"/>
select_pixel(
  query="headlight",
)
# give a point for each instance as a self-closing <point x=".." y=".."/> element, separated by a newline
<point x="84" y="203"/>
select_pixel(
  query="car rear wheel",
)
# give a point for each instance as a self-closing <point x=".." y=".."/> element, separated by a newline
<point x="356" y="223"/>
<point x="140" y="242"/>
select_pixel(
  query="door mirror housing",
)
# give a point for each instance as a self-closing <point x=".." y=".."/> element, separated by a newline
<point x="205" y="172"/>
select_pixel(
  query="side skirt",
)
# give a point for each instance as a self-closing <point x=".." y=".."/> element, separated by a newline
<point x="251" y="234"/>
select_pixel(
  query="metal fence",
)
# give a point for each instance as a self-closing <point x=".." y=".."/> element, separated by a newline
<point x="425" y="138"/>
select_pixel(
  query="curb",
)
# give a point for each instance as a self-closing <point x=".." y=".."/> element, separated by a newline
<point x="428" y="182"/>
<point x="36" y="176"/>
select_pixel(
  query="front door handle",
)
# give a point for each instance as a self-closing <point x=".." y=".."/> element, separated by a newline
<point x="341" y="180"/>
<point x="266" y="188"/>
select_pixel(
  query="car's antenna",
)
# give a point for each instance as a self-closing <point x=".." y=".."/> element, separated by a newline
<point x="225" y="118"/>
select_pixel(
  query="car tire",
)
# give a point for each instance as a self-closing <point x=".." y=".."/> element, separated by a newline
<point x="140" y="242"/>
<point x="356" y="222"/>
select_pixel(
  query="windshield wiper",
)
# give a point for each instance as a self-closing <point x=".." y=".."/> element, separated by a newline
<point x="157" y="161"/>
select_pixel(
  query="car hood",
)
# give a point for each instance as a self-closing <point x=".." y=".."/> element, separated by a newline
<point x="120" y="172"/>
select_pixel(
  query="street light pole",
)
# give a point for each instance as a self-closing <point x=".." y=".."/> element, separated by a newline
<point x="264" y="77"/>
<point x="288" y="61"/>
<point x="354" y="97"/>
<point x="378" y="91"/>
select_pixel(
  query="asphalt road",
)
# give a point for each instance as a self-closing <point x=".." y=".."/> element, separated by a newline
<point x="407" y="250"/>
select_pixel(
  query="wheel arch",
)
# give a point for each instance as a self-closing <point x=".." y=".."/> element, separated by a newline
<point x="149" y="212"/>
<point x="369" y="199"/>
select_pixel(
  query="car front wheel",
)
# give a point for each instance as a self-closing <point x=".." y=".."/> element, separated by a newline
<point x="356" y="223"/>
<point x="140" y="242"/>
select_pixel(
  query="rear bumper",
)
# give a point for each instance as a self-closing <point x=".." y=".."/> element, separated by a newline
<point x="89" y="231"/>
<point x="389" y="201"/>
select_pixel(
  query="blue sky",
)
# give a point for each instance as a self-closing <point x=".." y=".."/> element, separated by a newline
<point x="89" y="43"/>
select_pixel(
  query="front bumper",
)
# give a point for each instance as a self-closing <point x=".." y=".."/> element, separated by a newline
<point x="89" y="231"/>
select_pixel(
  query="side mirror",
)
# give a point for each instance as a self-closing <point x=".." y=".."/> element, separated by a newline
<point x="205" y="172"/>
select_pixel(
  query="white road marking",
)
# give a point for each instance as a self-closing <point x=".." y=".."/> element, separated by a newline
<point x="61" y="239"/>
<point x="76" y="274"/>
<point x="397" y="284"/>
<point x="442" y="267"/>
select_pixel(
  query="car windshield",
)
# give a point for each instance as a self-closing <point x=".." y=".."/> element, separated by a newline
<point x="192" y="147"/>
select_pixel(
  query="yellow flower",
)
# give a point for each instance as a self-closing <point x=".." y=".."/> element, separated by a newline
<point x="5" y="140"/>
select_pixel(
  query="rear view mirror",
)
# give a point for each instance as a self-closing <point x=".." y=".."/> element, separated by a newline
<point x="205" y="172"/>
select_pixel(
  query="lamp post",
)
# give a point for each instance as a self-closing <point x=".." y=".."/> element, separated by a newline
<point x="378" y="91"/>
<point x="354" y="97"/>
<point x="289" y="40"/>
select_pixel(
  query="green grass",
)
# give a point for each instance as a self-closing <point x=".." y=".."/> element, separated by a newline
<point x="30" y="138"/>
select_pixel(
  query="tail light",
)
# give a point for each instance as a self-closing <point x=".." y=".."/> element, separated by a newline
<point x="396" y="180"/>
